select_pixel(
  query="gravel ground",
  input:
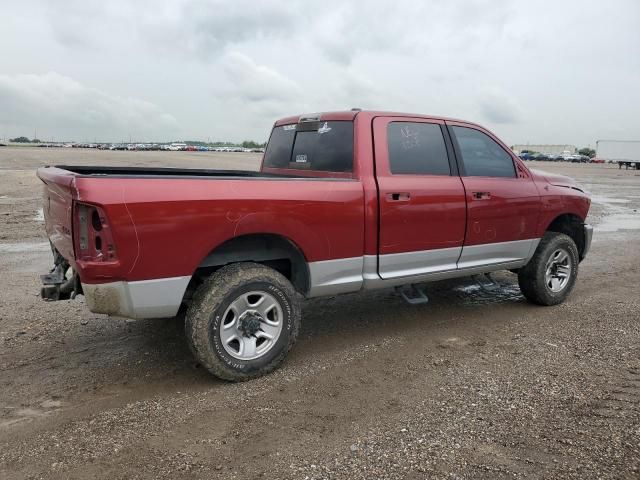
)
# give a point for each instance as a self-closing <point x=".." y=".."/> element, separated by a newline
<point x="474" y="384"/>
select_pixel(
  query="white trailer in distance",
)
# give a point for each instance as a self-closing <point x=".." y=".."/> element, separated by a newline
<point x="626" y="153"/>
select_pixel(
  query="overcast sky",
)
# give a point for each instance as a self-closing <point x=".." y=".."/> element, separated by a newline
<point x="532" y="71"/>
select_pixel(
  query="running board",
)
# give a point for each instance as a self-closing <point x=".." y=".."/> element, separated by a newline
<point x="485" y="281"/>
<point x="413" y="294"/>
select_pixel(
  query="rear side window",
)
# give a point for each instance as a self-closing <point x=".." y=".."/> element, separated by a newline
<point x="417" y="148"/>
<point x="321" y="146"/>
<point x="481" y="155"/>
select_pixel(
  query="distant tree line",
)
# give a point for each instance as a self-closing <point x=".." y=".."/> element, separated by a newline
<point x="589" y="152"/>
<point x="23" y="140"/>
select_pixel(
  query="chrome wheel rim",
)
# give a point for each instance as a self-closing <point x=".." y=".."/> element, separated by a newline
<point x="251" y="325"/>
<point x="558" y="270"/>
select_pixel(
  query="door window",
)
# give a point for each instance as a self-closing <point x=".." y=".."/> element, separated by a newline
<point x="481" y="155"/>
<point x="417" y="148"/>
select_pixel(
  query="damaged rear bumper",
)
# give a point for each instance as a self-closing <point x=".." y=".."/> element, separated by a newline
<point x="62" y="282"/>
<point x="157" y="298"/>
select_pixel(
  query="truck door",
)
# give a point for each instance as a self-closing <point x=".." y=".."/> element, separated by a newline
<point x="502" y="200"/>
<point x="422" y="210"/>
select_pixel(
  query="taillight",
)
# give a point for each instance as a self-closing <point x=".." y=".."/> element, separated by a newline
<point x="93" y="239"/>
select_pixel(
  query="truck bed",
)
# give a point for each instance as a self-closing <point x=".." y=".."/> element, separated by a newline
<point x="167" y="172"/>
<point x="166" y="221"/>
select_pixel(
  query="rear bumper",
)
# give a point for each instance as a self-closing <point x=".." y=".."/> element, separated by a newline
<point x="588" y="236"/>
<point x="156" y="298"/>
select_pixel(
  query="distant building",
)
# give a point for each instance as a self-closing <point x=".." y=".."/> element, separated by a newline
<point x="548" y="149"/>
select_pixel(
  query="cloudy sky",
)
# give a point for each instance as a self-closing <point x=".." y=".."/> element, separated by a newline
<point x="539" y="72"/>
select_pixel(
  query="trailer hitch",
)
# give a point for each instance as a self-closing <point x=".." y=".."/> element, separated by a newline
<point x="56" y="284"/>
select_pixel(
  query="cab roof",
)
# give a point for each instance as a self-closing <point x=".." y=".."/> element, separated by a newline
<point x="350" y="115"/>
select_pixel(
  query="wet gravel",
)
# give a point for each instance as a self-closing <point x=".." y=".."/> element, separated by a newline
<point x="475" y="384"/>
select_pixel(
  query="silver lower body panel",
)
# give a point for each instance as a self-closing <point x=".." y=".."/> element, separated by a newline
<point x="162" y="297"/>
<point x="156" y="298"/>
<point x="334" y="277"/>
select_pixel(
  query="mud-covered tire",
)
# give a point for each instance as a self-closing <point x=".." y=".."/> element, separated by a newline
<point x="214" y="298"/>
<point x="533" y="279"/>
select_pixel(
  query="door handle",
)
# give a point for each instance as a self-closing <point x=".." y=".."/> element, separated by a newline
<point x="481" y="195"/>
<point x="398" y="197"/>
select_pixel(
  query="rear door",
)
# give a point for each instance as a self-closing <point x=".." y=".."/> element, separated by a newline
<point x="421" y="197"/>
<point x="502" y="200"/>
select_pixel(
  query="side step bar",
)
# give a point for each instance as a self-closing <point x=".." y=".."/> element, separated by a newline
<point x="486" y="282"/>
<point x="413" y="294"/>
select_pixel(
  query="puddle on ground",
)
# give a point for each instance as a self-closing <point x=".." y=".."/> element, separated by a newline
<point x="617" y="214"/>
<point x="12" y="415"/>
<point x="474" y="294"/>
<point x="607" y="200"/>
<point x="477" y="295"/>
<point x="24" y="247"/>
<point x="619" y="221"/>
<point x="7" y="200"/>
<point x="39" y="217"/>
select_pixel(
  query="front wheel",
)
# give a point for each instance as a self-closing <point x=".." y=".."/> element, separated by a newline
<point x="243" y="321"/>
<point x="551" y="273"/>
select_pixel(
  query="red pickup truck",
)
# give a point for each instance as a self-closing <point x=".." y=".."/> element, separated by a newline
<point x="343" y="202"/>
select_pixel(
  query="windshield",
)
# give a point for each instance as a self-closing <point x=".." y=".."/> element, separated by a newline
<point x="315" y="146"/>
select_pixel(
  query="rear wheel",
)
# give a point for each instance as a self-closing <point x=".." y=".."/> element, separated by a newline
<point x="551" y="273"/>
<point x="243" y="321"/>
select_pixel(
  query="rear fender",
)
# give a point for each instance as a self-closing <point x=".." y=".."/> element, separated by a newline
<point x="311" y="243"/>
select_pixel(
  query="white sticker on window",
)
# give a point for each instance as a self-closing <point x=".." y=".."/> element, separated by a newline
<point x="410" y="138"/>
<point x="289" y="127"/>
<point x="324" y="129"/>
<point x="301" y="158"/>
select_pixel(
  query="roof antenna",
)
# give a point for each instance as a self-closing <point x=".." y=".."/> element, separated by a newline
<point x="356" y="109"/>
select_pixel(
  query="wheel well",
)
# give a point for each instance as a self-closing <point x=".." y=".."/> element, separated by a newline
<point x="571" y="225"/>
<point x="274" y="251"/>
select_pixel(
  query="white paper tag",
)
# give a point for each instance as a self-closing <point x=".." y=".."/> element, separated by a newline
<point x="324" y="129"/>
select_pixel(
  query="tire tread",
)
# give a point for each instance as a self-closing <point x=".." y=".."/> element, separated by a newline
<point x="531" y="276"/>
<point x="211" y="293"/>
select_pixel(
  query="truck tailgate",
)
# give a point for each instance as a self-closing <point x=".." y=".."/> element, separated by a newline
<point x="58" y="194"/>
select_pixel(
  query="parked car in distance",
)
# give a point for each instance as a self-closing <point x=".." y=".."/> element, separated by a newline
<point x="578" y="158"/>
<point x="343" y="202"/>
<point x="174" y="147"/>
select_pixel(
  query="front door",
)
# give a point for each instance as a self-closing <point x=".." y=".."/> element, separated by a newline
<point x="422" y="210"/>
<point x="502" y="200"/>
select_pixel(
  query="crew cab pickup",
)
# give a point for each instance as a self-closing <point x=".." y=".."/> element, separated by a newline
<point x="343" y="202"/>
